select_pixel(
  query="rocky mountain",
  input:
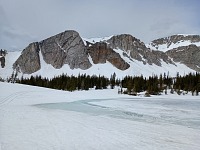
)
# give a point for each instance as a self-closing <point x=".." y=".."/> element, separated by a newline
<point x="66" y="48"/>
<point x="123" y="54"/>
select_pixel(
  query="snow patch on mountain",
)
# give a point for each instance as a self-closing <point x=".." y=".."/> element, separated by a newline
<point x="94" y="40"/>
<point x="166" y="47"/>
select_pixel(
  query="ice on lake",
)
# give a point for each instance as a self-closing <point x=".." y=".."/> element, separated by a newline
<point x="152" y="110"/>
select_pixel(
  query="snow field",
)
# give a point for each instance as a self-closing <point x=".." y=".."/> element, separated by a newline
<point x="24" y="125"/>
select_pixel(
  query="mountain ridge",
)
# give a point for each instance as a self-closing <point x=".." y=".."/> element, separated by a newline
<point x="124" y="54"/>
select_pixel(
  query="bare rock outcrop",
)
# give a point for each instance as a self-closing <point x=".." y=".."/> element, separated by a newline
<point x="100" y="53"/>
<point x="29" y="60"/>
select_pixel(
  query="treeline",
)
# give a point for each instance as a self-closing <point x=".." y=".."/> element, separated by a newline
<point x="71" y="83"/>
<point x="153" y="85"/>
<point x="190" y="82"/>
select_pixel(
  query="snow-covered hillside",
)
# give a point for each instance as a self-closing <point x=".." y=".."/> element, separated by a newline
<point x="34" y="118"/>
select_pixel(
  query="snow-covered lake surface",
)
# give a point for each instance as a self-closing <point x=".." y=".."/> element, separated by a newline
<point x="34" y="118"/>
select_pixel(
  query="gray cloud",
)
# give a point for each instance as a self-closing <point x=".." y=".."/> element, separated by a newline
<point x="25" y="21"/>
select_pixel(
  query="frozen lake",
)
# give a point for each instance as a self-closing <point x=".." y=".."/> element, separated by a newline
<point x="152" y="110"/>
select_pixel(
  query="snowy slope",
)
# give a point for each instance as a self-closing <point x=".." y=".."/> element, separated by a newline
<point x="10" y="58"/>
<point x="94" y="40"/>
<point x="137" y="68"/>
<point x="95" y="119"/>
<point x="166" y="47"/>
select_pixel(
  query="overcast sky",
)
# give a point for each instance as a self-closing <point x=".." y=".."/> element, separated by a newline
<point x="25" y="21"/>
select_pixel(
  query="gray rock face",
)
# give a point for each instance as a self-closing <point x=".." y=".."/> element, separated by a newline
<point x="137" y="49"/>
<point x="65" y="48"/>
<point x="29" y="60"/>
<point x="174" y="39"/>
<point x="101" y="53"/>
<point x="188" y="55"/>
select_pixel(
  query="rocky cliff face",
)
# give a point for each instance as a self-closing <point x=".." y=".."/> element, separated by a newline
<point x="65" y="48"/>
<point x="100" y="53"/>
<point x="137" y="49"/>
<point x="29" y="60"/>
<point x="188" y="55"/>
